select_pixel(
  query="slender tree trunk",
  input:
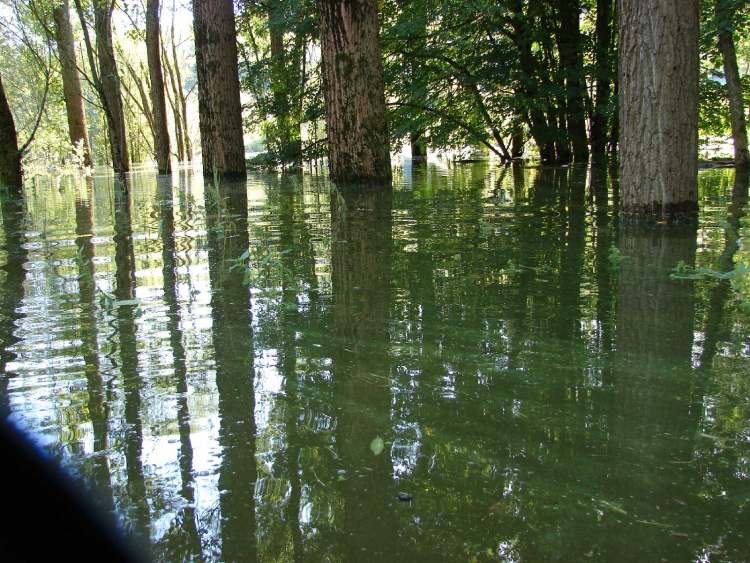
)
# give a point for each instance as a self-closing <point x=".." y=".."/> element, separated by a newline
<point x="144" y="105"/>
<point x="10" y="157"/>
<point x="173" y="99"/>
<point x="110" y="85"/>
<point x="571" y="62"/>
<point x="153" y="53"/>
<point x="603" y="81"/>
<point x="734" y="85"/>
<point x="358" y="142"/>
<point x="517" y="140"/>
<point x="180" y="94"/>
<point x="658" y="107"/>
<point x="219" y="107"/>
<point x="71" y="81"/>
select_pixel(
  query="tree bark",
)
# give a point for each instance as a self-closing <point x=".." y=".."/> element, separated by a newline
<point x="109" y="79"/>
<point x="10" y="157"/>
<point x="603" y="81"/>
<point x="71" y="80"/>
<point x="358" y="142"/>
<point x="658" y="107"/>
<point x="734" y="85"/>
<point x="219" y="107"/>
<point x="153" y="54"/>
<point x="571" y="61"/>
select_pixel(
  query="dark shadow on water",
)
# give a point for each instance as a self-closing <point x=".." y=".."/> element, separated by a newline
<point x="12" y="290"/>
<point x="235" y="373"/>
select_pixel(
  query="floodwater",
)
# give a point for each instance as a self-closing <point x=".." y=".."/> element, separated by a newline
<point x="256" y="372"/>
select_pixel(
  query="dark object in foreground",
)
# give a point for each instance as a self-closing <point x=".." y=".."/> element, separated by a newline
<point x="404" y="497"/>
<point x="45" y="516"/>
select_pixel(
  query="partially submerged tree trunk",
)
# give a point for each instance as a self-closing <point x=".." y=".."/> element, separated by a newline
<point x="219" y="107"/>
<point x="153" y="52"/>
<point x="658" y="107"/>
<point x="358" y="142"/>
<point x="10" y="157"/>
<point x="603" y="81"/>
<point x="734" y="85"/>
<point x="71" y="80"/>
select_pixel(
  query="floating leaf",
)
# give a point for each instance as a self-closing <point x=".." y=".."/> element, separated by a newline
<point x="377" y="445"/>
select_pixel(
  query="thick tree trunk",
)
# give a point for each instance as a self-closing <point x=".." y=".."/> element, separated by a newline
<point x="219" y="107"/>
<point x="10" y="157"/>
<point x="71" y="81"/>
<point x="153" y="53"/>
<point x="658" y="107"/>
<point x="603" y="81"/>
<point x="358" y="143"/>
<point x="109" y="79"/>
<point x="734" y="85"/>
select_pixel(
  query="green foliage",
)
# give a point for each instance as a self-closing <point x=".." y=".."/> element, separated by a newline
<point x="713" y="117"/>
<point x="452" y="69"/>
<point x="281" y="69"/>
<point x="25" y="58"/>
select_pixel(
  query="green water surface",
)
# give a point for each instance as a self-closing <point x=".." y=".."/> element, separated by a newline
<point x="255" y="372"/>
